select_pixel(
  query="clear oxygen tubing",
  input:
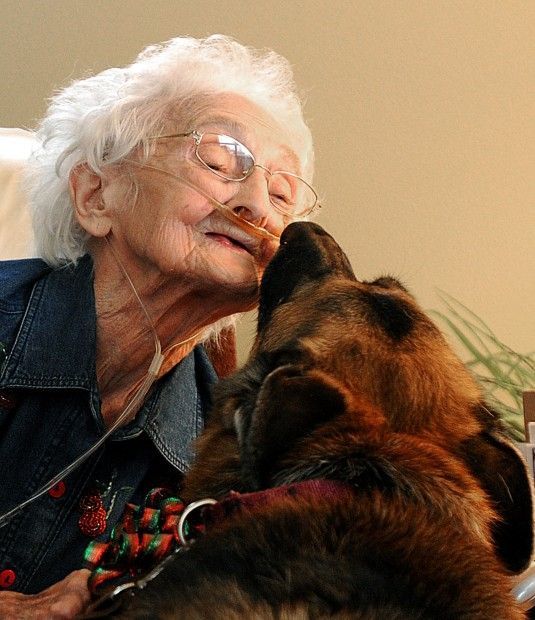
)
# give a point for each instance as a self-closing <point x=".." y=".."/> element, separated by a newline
<point x="524" y="589"/>
<point x="131" y="406"/>
<point x="248" y="227"/>
<point x="158" y="358"/>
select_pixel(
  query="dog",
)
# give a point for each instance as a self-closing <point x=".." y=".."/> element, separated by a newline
<point x="369" y="479"/>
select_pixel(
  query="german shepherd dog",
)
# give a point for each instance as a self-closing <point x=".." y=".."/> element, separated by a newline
<point x="419" y="506"/>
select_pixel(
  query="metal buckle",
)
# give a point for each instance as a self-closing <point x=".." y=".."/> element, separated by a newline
<point x="108" y="603"/>
<point x="187" y="512"/>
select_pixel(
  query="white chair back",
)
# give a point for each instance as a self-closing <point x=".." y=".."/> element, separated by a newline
<point x="16" y="235"/>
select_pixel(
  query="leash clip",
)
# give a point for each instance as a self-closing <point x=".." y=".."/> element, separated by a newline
<point x="111" y="601"/>
<point x="182" y="524"/>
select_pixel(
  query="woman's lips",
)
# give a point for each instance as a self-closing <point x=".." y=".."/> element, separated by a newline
<point x="227" y="241"/>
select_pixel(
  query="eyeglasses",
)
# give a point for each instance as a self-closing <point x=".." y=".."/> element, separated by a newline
<point x="231" y="160"/>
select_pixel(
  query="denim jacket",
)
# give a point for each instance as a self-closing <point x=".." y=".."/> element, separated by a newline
<point x="50" y="414"/>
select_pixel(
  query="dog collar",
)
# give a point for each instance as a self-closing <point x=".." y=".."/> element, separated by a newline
<point x="163" y="526"/>
<point x="216" y="512"/>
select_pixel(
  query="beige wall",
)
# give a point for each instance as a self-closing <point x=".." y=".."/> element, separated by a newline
<point x="422" y="111"/>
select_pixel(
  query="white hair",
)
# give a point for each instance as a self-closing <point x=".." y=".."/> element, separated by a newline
<point x="100" y="120"/>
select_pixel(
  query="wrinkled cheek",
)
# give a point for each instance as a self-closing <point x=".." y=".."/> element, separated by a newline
<point x="173" y="233"/>
<point x="192" y="214"/>
<point x="167" y="244"/>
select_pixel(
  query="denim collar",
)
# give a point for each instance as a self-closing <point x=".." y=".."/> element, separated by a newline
<point x="55" y="349"/>
<point x="55" y="346"/>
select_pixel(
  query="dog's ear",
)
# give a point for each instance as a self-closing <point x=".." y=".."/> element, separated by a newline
<point x="290" y="404"/>
<point x="503" y="475"/>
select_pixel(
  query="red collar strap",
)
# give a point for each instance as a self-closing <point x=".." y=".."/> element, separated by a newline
<point x="252" y="502"/>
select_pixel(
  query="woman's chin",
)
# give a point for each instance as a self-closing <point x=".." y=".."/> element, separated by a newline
<point x="232" y="267"/>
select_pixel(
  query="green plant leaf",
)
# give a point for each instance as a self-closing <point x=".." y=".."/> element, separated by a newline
<point x="504" y="373"/>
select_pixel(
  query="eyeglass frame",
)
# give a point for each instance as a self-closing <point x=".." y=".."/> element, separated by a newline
<point x="197" y="137"/>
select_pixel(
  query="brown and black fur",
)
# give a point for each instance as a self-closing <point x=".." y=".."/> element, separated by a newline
<point x="351" y="381"/>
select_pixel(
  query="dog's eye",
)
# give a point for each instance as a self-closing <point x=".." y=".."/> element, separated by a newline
<point x="238" y="424"/>
<point x="285" y="357"/>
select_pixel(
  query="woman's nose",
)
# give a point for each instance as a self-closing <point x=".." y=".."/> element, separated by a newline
<point x="251" y="201"/>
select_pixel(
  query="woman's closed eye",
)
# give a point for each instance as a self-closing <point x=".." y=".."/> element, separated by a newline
<point x="218" y="159"/>
<point x="281" y="190"/>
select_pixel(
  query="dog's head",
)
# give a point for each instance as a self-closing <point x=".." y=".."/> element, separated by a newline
<point x="330" y="347"/>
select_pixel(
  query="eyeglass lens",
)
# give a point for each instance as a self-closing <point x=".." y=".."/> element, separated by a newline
<point x="231" y="160"/>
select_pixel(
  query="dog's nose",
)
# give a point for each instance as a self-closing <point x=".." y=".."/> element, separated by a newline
<point x="299" y="231"/>
<point x="306" y="254"/>
<point x="314" y="250"/>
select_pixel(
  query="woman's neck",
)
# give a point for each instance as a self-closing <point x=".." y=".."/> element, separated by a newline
<point x="128" y="329"/>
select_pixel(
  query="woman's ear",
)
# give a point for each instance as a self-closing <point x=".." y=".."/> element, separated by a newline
<point x="85" y="187"/>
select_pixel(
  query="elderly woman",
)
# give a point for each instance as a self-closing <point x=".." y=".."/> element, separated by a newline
<point x="159" y="192"/>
